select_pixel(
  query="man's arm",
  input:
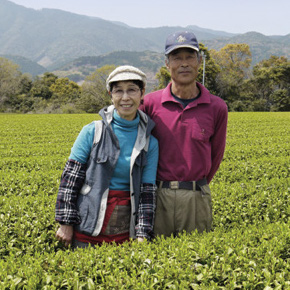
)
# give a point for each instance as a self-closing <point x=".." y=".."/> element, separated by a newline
<point x="218" y="142"/>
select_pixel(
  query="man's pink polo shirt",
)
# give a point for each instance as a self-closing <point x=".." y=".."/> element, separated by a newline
<point x="191" y="139"/>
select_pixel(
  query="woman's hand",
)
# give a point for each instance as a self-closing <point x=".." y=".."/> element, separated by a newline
<point x="140" y="239"/>
<point x="64" y="234"/>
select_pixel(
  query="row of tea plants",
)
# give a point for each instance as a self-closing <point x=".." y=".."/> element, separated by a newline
<point x="248" y="248"/>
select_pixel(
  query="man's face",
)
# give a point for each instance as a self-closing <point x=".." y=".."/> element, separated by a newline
<point x="183" y="64"/>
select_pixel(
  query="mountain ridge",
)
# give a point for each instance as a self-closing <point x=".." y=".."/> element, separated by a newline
<point x="52" y="37"/>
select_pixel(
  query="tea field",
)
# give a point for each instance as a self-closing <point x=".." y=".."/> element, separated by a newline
<point x="248" y="248"/>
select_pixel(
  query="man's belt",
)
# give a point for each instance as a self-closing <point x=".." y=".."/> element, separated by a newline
<point x="190" y="185"/>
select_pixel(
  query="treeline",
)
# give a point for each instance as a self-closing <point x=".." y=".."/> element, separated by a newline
<point x="227" y="73"/>
<point x="49" y="93"/>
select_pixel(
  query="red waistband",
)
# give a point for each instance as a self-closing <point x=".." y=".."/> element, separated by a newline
<point x="119" y="193"/>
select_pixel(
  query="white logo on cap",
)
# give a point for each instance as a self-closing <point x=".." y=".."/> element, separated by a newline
<point x="181" y="38"/>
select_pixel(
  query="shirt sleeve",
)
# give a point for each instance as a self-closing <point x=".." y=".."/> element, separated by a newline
<point x="150" y="169"/>
<point x="147" y="205"/>
<point x="146" y="212"/>
<point x="72" y="179"/>
<point x="82" y="147"/>
<point x="218" y="142"/>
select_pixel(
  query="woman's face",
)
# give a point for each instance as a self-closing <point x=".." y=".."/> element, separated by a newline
<point x="126" y="97"/>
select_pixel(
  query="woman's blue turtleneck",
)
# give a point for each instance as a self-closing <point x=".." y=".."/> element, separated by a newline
<point x="126" y="132"/>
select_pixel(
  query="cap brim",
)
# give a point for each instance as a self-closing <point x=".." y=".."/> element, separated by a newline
<point x="181" y="46"/>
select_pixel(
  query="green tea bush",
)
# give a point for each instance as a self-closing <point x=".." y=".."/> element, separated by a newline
<point x="248" y="248"/>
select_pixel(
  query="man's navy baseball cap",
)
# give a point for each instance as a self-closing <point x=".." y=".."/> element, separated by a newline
<point x="179" y="40"/>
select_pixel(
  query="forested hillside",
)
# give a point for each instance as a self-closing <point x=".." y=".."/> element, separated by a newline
<point x="53" y="37"/>
<point x="262" y="47"/>
<point x="148" y="61"/>
<point x="26" y="65"/>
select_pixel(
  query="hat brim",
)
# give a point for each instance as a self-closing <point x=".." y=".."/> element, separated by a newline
<point x="125" y="76"/>
<point x="181" y="46"/>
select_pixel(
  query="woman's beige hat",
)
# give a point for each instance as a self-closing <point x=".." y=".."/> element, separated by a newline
<point x="125" y="73"/>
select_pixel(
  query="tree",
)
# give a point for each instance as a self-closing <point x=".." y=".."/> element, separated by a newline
<point x="41" y="86"/>
<point x="22" y="102"/>
<point x="64" y="91"/>
<point x="94" y="94"/>
<point x="9" y="83"/>
<point x="163" y="77"/>
<point x="211" y="70"/>
<point x="269" y="86"/>
<point x="234" y="61"/>
<point x="25" y="84"/>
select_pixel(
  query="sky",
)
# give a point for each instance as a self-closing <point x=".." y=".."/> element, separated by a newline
<point x="269" y="17"/>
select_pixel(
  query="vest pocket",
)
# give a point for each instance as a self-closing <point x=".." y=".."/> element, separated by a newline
<point x="101" y="159"/>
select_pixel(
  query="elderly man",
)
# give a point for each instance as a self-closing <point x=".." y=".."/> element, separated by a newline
<point x="191" y="126"/>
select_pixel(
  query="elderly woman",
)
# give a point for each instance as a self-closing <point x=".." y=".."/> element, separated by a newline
<point x="107" y="189"/>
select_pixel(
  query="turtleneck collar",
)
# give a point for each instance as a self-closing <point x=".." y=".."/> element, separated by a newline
<point x="125" y="123"/>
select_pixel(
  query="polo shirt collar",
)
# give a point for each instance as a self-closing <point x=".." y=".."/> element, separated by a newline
<point x="203" y="99"/>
